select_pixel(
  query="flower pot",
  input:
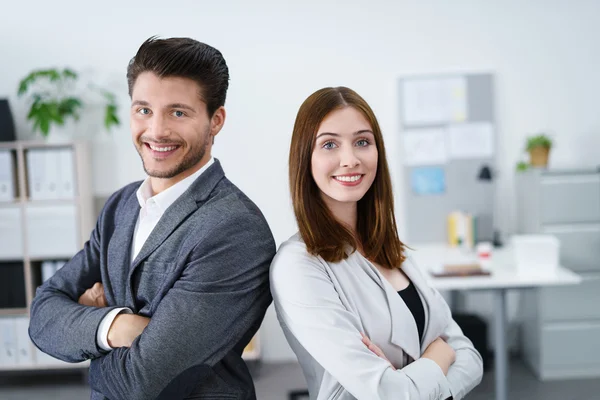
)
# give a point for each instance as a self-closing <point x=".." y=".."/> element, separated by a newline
<point x="539" y="156"/>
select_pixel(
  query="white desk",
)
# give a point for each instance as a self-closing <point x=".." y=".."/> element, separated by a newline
<point x="504" y="276"/>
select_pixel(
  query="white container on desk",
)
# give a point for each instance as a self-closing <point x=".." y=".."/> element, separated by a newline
<point x="536" y="254"/>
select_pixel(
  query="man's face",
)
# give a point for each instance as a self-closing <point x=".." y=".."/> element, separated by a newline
<point x="170" y="126"/>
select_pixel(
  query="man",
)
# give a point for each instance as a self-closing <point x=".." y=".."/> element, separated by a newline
<point x="173" y="283"/>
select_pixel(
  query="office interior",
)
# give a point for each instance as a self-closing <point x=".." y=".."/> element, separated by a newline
<point x="538" y="61"/>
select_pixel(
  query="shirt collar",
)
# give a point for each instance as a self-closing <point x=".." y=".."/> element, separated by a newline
<point x="168" y="196"/>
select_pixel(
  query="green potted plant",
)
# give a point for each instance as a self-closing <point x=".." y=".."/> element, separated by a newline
<point x="522" y="166"/>
<point x="539" y="147"/>
<point x="53" y="99"/>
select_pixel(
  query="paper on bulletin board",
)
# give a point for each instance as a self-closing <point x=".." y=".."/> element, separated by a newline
<point x="428" y="180"/>
<point x="434" y="101"/>
<point x="424" y="147"/>
<point x="473" y="140"/>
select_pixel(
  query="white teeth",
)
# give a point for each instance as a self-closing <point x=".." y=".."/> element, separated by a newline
<point x="353" y="178"/>
<point x="156" y="148"/>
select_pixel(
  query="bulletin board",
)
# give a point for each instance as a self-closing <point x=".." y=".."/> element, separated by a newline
<point x="448" y="140"/>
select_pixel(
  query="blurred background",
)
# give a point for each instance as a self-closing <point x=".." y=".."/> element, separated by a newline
<point x="538" y="61"/>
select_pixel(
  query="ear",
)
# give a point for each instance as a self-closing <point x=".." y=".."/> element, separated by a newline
<point x="217" y="121"/>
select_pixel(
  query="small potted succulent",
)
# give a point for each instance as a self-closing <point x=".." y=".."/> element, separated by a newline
<point x="539" y="147"/>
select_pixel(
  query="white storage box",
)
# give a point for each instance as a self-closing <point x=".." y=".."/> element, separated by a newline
<point x="536" y="254"/>
<point x="51" y="231"/>
<point x="11" y="234"/>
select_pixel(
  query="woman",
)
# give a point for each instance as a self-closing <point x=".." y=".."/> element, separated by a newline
<point x="356" y="311"/>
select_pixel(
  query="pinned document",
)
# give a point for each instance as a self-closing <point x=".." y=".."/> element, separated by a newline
<point x="472" y="140"/>
<point x="434" y="101"/>
<point x="424" y="147"/>
<point x="428" y="180"/>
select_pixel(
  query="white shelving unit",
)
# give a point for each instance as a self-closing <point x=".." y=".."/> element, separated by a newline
<point x="36" y="226"/>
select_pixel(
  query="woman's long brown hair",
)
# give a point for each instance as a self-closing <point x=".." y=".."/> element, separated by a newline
<point x="376" y="224"/>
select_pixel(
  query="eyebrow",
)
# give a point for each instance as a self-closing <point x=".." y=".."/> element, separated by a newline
<point x="174" y="105"/>
<point x="362" y="131"/>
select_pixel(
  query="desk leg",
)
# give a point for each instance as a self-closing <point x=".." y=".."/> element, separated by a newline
<point x="501" y="353"/>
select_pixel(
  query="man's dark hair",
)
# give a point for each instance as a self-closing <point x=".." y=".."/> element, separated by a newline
<point x="185" y="58"/>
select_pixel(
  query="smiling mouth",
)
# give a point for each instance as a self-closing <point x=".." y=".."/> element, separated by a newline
<point x="161" y="151"/>
<point x="161" y="148"/>
<point x="348" y="178"/>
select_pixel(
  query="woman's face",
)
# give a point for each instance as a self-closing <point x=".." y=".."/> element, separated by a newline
<point x="344" y="160"/>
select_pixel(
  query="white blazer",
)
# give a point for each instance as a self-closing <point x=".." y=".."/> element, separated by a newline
<point x="323" y="308"/>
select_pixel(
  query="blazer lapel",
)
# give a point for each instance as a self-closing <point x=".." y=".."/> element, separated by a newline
<point x="179" y="211"/>
<point x="119" y="253"/>
<point x="436" y="318"/>
<point x="404" y="327"/>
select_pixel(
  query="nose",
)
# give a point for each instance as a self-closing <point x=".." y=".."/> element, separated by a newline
<point x="348" y="158"/>
<point x="159" y="128"/>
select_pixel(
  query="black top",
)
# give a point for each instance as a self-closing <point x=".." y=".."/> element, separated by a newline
<point x="414" y="304"/>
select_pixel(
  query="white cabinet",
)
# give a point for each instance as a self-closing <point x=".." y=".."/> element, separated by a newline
<point x="561" y="325"/>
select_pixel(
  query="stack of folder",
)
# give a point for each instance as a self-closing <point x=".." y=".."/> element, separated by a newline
<point x="50" y="173"/>
<point x="461" y="230"/>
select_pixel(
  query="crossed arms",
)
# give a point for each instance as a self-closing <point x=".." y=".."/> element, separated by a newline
<point x="221" y="293"/>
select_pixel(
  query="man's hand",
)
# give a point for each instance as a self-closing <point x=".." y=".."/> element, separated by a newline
<point x="94" y="296"/>
<point x="125" y="328"/>
<point x="371" y="346"/>
<point x="441" y="353"/>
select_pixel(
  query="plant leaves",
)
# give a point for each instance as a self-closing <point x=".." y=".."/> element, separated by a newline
<point x="69" y="74"/>
<point x="110" y="116"/>
<point x="52" y="107"/>
<point x="45" y="126"/>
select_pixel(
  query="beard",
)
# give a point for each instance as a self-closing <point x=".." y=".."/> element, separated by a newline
<point x="192" y="158"/>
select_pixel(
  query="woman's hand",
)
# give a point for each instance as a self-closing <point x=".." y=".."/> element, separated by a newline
<point x="371" y="346"/>
<point x="441" y="353"/>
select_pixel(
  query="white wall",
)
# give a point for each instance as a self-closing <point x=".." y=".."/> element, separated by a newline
<point x="544" y="54"/>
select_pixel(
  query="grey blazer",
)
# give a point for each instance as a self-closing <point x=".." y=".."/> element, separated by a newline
<point x="202" y="278"/>
<point x="324" y="307"/>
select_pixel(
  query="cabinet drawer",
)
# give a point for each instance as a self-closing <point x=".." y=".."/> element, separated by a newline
<point x="571" y="345"/>
<point x="572" y="302"/>
<point x="579" y="247"/>
<point x="570" y="199"/>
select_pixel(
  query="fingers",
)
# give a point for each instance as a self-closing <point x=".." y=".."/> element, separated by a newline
<point x="375" y="349"/>
<point x="94" y="296"/>
<point x="371" y="346"/>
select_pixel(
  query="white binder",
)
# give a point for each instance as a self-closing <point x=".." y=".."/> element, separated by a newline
<point x="48" y="269"/>
<point x="51" y="185"/>
<point x="8" y="342"/>
<point x="24" y="345"/>
<point x="66" y="174"/>
<point x="7" y="176"/>
<point x="36" y="177"/>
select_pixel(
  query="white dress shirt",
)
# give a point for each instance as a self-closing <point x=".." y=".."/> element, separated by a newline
<point x="152" y="209"/>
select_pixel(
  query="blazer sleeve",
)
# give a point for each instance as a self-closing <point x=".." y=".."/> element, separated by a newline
<point x="59" y="325"/>
<point x="467" y="370"/>
<point x="307" y="304"/>
<point x="222" y="292"/>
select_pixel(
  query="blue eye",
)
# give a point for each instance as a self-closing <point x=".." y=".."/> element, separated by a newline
<point x="329" y="146"/>
<point x="362" y="143"/>
<point x="144" y="111"/>
<point x="179" y="114"/>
